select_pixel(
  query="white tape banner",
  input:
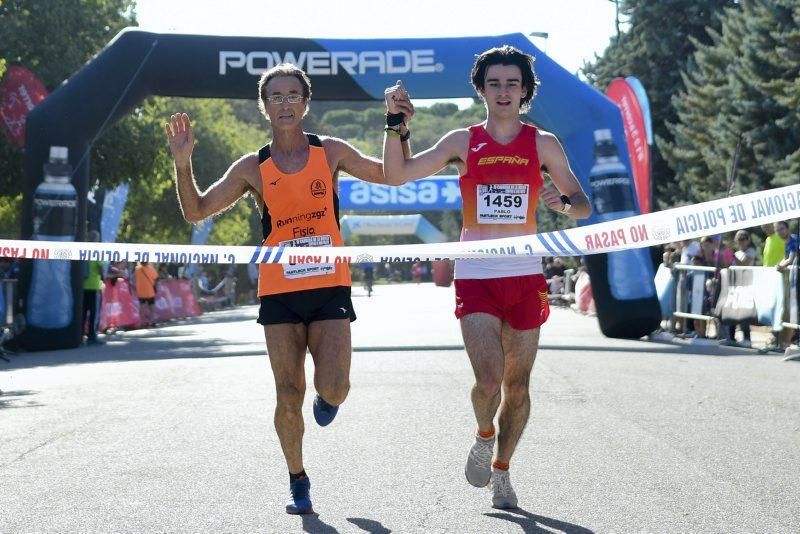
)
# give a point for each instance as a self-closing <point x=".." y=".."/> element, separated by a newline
<point x="677" y="224"/>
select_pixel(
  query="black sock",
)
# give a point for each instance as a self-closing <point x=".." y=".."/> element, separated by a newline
<point x="294" y="477"/>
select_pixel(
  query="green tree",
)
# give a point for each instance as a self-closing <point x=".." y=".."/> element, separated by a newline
<point x="152" y="213"/>
<point x="744" y="83"/>
<point x="341" y="117"/>
<point x="42" y="37"/>
<point x="655" y="49"/>
<point x="443" y="109"/>
<point x="784" y="88"/>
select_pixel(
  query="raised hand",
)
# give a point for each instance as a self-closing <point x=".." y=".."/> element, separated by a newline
<point x="398" y="101"/>
<point x="180" y="137"/>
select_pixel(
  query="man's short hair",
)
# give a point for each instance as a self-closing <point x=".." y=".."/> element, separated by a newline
<point x="282" y="69"/>
<point x="507" y="55"/>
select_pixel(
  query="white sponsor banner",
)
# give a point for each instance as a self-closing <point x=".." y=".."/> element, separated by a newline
<point x="687" y="222"/>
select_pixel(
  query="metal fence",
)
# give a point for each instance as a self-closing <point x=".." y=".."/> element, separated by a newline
<point x="694" y="298"/>
<point x="732" y="296"/>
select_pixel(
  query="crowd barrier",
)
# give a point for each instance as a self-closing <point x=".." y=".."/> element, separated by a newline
<point x="560" y="288"/>
<point x="734" y="295"/>
<point x="573" y="290"/>
<point x="120" y="307"/>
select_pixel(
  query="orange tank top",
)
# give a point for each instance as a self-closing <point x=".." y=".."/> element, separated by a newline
<point x="300" y="210"/>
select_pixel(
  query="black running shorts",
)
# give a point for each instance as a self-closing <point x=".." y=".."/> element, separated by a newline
<point x="307" y="306"/>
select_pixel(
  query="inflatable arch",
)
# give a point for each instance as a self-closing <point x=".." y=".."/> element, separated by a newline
<point x="137" y="64"/>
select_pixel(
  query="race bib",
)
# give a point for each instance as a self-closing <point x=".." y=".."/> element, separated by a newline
<point x="308" y="265"/>
<point x="502" y="203"/>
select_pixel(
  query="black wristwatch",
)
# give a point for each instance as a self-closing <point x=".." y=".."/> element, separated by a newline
<point x="567" y="203"/>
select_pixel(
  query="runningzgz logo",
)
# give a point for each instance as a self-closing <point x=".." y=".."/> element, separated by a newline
<point x="331" y="63"/>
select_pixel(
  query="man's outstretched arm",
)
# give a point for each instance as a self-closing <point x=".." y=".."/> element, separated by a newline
<point x="553" y="158"/>
<point x="197" y="206"/>
<point x="399" y="166"/>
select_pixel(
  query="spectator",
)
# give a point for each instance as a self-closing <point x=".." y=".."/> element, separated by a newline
<point x="252" y="276"/>
<point x="773" y="246"/>
<point x="789" y="245"/>
<point x="553" y="271"/>
<point x="417" y="270"/>
<point x="689" y="249"/>
<point x="558" y="268"/>
<point x="113" y="272"/>
<point x="369" y="276"/>
<point x="723" y="255"/>
<point x="146" y="280"/>
<point x="201" y="281"/>
<point x="547" y="266"/>
<point x="229" y="286"/>
<point x="554" y="274"/>
<point x="117" y="271"/>
<point x="745" y="257"/>
<point x="173" y="269"/>
<point x="789" y="254"/>
<point x="93" y="292"/>
<point x="700" y="260"/>
<point x="669" y="258"/>
<point x="707" y="253"/>
<point x="584" y="301"/>
<point x="163" y="272"/>
<point x="712" y="253"/>
<point x="672" y="254"/>
<point x="715" y="252"/>
<point x="208" y="297"/>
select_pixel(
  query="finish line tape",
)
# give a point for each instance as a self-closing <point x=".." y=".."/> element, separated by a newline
<point x="676" y="224"/>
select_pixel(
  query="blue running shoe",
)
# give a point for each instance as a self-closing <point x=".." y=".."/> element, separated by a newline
<point x="300" y="499"/>
<point x="324" y="413"/>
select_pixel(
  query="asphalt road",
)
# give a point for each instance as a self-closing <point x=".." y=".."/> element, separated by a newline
<point x="170" y="430"/>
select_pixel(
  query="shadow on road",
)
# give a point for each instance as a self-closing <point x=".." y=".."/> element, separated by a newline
<point x="153" y="344"/>
<point x="312" y="523"/>
<point x="649" y="348"/>
<point x="16" y="399"/>
<point x="188" y="342"/>
<point x="369" y="525"/>
<point x="139" y="348"/>
<point x="532" y="523"/>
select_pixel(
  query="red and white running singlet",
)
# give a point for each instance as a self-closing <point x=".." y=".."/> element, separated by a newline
<point x="500" y="192"/>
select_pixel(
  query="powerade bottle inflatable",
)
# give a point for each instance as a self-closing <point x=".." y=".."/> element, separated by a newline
<point x="55" y="217"/>
<point x="612" y="198"/>
<point x="629" y="272"/>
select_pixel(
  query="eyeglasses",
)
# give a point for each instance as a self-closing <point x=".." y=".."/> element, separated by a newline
<point x="278" y="99"/>
<point x="742" y="239"/>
